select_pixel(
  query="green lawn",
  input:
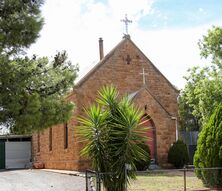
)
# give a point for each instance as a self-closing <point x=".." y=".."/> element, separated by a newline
<point x="166" y="181"/>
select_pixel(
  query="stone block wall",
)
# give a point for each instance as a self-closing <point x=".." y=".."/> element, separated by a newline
<point x="161" y="101"/>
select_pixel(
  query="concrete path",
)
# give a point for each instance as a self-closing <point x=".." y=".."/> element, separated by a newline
<point x="39" y="180"/>
<point x="67" y="172"/>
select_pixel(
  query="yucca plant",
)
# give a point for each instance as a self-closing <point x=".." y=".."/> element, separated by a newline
<point x="111" y="130"/>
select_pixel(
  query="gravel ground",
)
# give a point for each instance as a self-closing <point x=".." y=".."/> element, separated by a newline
<point x="38" y="180"/>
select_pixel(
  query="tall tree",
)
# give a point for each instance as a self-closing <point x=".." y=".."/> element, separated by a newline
<point x="32" y="90"/>
<point x="203" y="91"/>
<point x="20" y="24"/>
<point x="209" y="150"/>
<point x="211" y="46"/>
<point x="187" y="121"/>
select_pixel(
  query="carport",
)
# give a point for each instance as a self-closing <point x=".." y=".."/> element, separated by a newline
<point x="15" y="151"/>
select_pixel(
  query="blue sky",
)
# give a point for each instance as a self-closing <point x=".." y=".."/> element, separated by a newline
<point x="167" y="31"/>
<point x="181" y="13"/>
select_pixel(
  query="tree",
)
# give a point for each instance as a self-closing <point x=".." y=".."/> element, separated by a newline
<point x="32" y="90"/>
<point x="20" y="23"/>
<point x="112" y="135"/>
<point x="203" y="91"/>
<point x="209" y="150"/>
<point x="187" y="121"/>
<point x="211" y="46"/>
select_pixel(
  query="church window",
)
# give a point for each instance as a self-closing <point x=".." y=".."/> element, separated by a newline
<point x="38" y="142"/>
<point x="128" y="59"/>
<point x="66" y="136"/>
<point x="50" y="139"/>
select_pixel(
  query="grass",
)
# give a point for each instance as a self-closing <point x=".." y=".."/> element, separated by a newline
<point x="166" y="181"/>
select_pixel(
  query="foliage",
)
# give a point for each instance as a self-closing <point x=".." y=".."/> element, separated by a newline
<point x="187" y="121"/>
<point x="32" y="92"/>
<point x="211" y="44"/>
<point x="178" y="154"/>
<point x="144" y="163"/>
<point x="209" y="150"/>
<point x="20" y="23"/>
<point x="31" y="89"/>
<point x="110" y="130"/>
<point x="203" y="91"/>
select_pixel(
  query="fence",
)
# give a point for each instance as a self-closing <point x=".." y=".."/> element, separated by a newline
<point x="152" y="180"/>
<point x="190" y="138"/>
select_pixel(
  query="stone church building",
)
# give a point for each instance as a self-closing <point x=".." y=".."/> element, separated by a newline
<point x="127" y="68"/>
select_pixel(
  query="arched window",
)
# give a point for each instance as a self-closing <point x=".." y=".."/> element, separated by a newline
<point x="38" y="142"/>
<point x="50" y="139"/>
<point x="66" y="135"/>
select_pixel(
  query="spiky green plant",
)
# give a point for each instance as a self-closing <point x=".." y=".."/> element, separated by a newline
<point x="112" y="131"/>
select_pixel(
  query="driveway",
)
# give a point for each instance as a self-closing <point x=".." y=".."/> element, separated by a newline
<point x="38" y="180"/>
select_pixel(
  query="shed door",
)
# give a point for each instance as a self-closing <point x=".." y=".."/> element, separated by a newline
<point x="2" y="155"/>
<point x="18" y="154"/>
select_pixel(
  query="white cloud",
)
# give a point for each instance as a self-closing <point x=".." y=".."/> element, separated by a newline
<point x="131" y="7"/>
<point x="200" y="9"/>
<point x="76" y="25"/>
<point x="172" y="51"/>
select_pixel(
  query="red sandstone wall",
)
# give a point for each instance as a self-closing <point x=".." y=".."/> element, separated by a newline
<point x="59" y="157"/>
<point x="127" y="79"/>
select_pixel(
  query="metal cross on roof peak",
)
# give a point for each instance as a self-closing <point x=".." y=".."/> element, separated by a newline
<point x="126" y="21"/>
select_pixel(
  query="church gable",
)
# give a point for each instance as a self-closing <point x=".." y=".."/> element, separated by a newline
<point x="123" y="68"/>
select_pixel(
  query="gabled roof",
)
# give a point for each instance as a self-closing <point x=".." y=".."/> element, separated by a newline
<point x="101" y="62"/>
<point x="133" y="96"/>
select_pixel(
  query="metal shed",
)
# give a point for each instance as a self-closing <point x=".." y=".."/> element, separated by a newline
<point x="15" y="151"/>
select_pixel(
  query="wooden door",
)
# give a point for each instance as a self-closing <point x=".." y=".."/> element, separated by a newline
<point x="150" y="135"/>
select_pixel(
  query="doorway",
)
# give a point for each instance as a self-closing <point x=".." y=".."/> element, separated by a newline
<point x="150" y="135"/>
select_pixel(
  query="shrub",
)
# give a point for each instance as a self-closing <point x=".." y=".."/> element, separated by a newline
<point x="178" y="154"/>
<point x="209" y="150"/>
<point x="143" y="164"/>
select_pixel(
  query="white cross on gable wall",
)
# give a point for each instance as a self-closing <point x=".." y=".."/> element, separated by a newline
<point x="144" y="76"/>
